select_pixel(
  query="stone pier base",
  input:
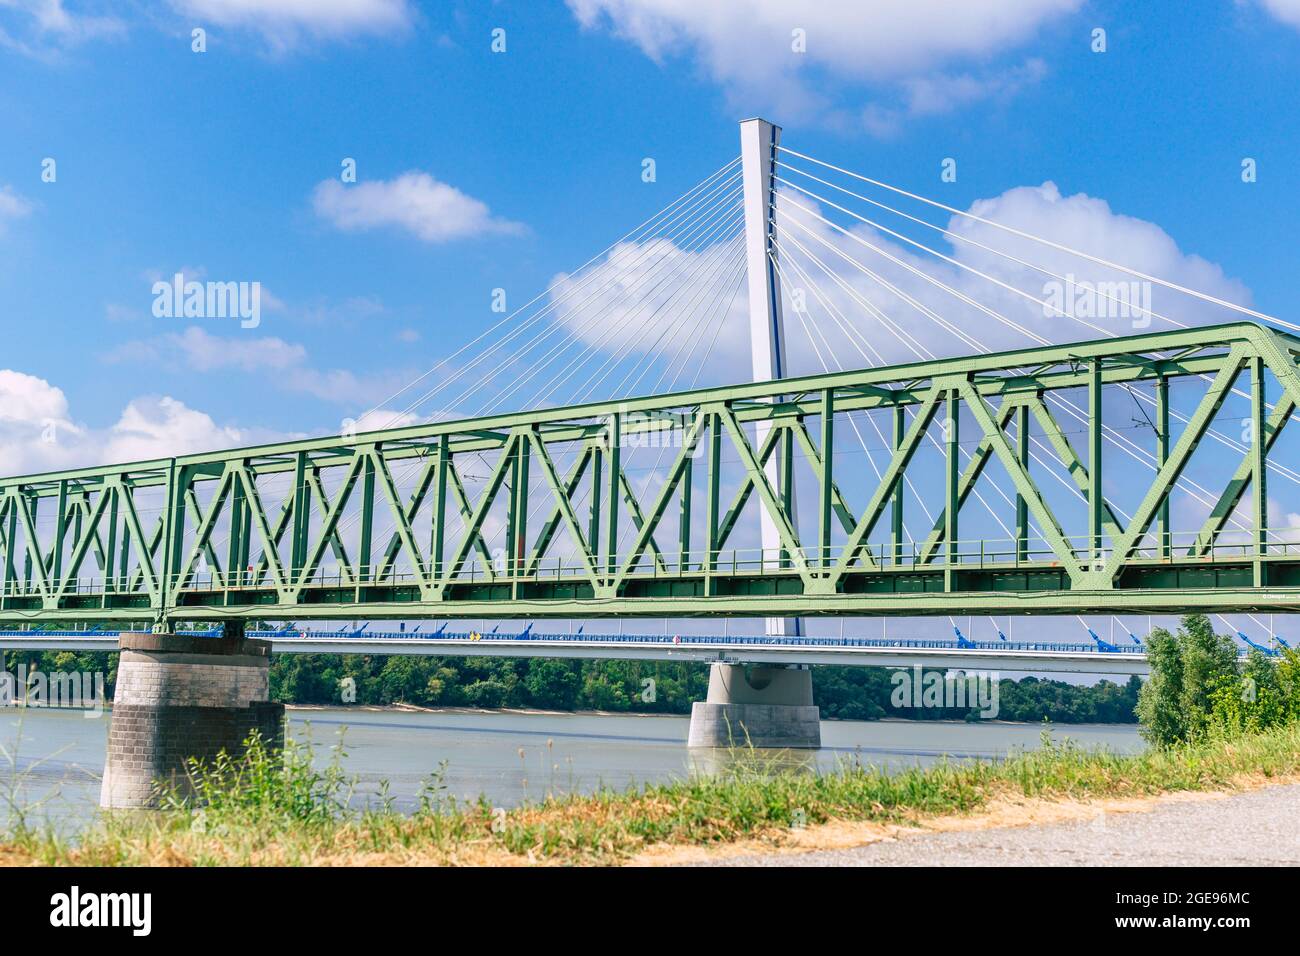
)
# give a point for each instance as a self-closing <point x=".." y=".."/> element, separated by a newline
<point x="179" y="697"/>
<point x="766" y="707"/>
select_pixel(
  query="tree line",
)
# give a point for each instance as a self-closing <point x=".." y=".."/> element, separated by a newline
<point x="843" y="693"/>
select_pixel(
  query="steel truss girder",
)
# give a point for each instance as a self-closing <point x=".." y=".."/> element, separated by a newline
<point x="75" y="546"/>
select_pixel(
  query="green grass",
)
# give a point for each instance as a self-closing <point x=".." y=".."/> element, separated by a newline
<point x="262" y="811"/>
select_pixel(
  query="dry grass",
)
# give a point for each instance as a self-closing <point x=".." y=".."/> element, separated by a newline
<point x="268" y="816"/>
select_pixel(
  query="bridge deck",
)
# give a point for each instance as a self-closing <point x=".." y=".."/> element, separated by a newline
<point x="866" y="652"/>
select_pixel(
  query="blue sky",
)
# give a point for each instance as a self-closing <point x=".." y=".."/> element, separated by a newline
<point x="522" y="164"/>
<point x="168" y="159"/>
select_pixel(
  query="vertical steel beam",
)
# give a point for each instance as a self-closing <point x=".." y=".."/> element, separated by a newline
<point x="1096" y="501"/>
<point x="301" y="517"/>
<point x="827" y="503"/>
<point x="523" y="470"/>
<point x="60" y="532"/>
<point x="712" y="502"/>
<point x="593" y="516"/>
<point x="110" y="551"/>
<point x="785" y="482"/>
<point x="1164" y="530"/>
<point x="125" y="567"/>
<point x="1022" y="506"/>
<point x="437" y="546"/>
<point x="364" y="549"/>
<point x="613" y="492"/>
<point x="952" y="485"/>
<point x="896" y="522"/>
<point x="173" y="537"/>
<point x="11" y="537"/>
<point x="30" y="503"/>
<point x="1259" y="451"/>
<point x="234" y="547"/>
<point x="684" y="518"/>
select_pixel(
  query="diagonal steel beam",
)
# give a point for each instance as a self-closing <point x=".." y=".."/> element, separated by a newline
<point x="553" y="520"/>
<point x="564" y="504"/>
<point x="1169" y="472"/>
<point x="893" y="474"/>
<point x="966" y="484"/>
<point x="1241" y="478"/>
<point x="1025" y="487"/>
<point x="775" y="507"/>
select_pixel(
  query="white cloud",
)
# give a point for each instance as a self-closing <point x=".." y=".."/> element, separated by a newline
<point x="637" y="306"/>
<point x="747" y="45"/>
<point x="26" y="398"/>
<point x="163" y="427"/>
<point x="285" y="362"/>
<point x="200" y="350"/>
<point x="12" y="205"/>
<point x="416" y="202"/>
<point x="377" y="419"/>
<point x="1078" y="221"/>
<point x="633" y="317"/>
<point x="1288" y="11"/>
<point x="38" y="433"/>
<point x="941" y="93"/>
<point x="286" y="23"/>
<point x="41" y="28"/>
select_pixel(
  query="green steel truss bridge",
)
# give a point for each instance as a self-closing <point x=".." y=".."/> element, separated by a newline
<point x="128" y="540"/>
<point x="1047" y="479"/>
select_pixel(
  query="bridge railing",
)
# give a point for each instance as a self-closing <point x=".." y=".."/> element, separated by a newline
<point x="975" y="554"/>
<point x="694" y="640"/>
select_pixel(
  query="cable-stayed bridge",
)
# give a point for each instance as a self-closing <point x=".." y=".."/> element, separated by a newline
<point x="578" y="461"/>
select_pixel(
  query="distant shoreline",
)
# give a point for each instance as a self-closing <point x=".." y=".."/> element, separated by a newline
<point x="541" y="712"/>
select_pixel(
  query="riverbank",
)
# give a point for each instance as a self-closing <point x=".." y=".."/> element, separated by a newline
<point x="297" y="817"/>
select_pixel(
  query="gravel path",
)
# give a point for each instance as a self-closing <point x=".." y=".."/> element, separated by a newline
<point x="1250" y="829"/>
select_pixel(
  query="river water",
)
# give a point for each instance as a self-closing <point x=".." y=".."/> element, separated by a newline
<point x="52" y="759"/>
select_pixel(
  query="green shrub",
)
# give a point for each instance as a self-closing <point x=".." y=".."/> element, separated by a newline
<point x="1199" y="688"/>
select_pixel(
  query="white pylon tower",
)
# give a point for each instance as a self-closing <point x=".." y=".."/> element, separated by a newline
<point x="758" y="142"/>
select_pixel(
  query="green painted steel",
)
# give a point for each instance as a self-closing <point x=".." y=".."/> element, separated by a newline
<point x="547" y="513"/>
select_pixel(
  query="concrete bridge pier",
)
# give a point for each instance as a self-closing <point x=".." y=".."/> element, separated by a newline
<point x="179" y="697"/>
<point x="764" y="706"/>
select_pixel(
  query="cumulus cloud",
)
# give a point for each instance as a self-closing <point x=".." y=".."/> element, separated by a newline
<point x="26" y="398"/>
<point x="160" y="427"/>
<point x="749" y="47"/>
<point x="984" y="270"/>
<point x="635" y="299"/>
<point x="835" y="319"/>
<point x="285" y="364"/>
<point x="378" y="419"/>
<point x="287" y="23"/>
<point x="38" y="431"/>
<point x="415" y="202"/>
